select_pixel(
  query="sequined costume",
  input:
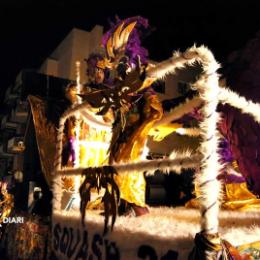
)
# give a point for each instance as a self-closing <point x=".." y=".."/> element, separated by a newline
<point x="128" y="144"/>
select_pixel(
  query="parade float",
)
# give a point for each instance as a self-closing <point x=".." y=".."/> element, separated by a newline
<point x="88" y="167"/>
<point x="81" y="233"/>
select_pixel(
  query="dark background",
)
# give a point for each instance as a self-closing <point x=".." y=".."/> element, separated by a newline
<point x="31" y="30"/>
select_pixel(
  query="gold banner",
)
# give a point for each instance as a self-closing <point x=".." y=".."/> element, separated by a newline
<point x="45" y="136"/>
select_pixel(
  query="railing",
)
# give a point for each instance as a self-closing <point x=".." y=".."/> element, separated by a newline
<point x="206" y="162"/>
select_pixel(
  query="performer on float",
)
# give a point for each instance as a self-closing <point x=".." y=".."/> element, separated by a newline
<point x="136" y="114"/>
<point x="132" y="125"/>
<point x="89" y="155"/>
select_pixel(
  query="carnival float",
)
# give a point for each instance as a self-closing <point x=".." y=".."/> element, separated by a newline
<point x="98" y="156"/>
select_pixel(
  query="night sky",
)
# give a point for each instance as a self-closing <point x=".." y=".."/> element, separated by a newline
<point x="31" y="30"/>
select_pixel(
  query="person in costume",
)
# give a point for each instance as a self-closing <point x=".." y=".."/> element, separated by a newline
<point x="97" y="80"/>
<point x="80" y="137"/>
<point x="131" y="127"/>
<point x="134" y="103"/>
<point x="98" y="72"/>
<point x="128" y="144"/>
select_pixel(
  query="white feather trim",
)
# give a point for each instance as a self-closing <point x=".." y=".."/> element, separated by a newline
<point x="227" y="96"/>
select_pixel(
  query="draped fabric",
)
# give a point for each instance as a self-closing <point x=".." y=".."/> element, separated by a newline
<point x="236" y="197"/>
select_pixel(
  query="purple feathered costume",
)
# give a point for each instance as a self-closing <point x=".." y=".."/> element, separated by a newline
<point x="242" y="132"/>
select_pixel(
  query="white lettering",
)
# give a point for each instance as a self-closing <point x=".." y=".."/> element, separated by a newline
<point x="19" y="219"/>
<point x="15" y="220"/>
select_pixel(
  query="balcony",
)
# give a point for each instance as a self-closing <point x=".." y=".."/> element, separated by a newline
<point x="6" y="123"/>
<point x="4" y="154"/>
<point x="20" y="112"/>
<point x="10" y="96"/>
<point x="15" y="145"/>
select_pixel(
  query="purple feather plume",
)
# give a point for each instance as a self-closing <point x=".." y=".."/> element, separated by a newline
<point x="133" y="47"/>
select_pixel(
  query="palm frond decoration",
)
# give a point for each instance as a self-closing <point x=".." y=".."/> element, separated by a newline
<point x="98" y="178"/>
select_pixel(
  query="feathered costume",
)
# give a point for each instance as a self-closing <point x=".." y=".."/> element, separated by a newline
<point x="135" y="105"/>
<point x="242" y="132"/>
